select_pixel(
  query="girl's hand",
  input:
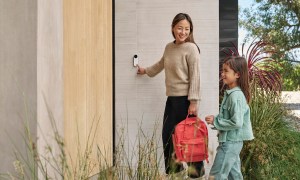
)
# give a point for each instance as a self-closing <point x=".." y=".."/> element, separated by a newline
<point x="193" y="109"/>
<point x="141" y="70"/>
<point x="210" y="119"/>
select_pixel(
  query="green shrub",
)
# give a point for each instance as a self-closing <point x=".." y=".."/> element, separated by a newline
<point x="275" y="151"/>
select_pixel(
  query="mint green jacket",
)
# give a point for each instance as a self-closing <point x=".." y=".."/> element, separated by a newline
<point x="233" y="121"/>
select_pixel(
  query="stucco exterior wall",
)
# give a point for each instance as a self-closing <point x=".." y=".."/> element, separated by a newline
<point x="18" y="76"/>
<point x="144" y="28"/>
<point x="50" y="107"/>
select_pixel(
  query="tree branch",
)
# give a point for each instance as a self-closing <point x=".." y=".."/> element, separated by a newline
<point x="293" y="47"/>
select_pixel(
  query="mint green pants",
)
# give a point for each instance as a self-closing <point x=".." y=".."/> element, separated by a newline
<point x="227" y="163"/>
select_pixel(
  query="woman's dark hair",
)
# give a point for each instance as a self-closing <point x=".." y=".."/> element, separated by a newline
<point x="239" y="65"/>
<point x="180" y="17"/>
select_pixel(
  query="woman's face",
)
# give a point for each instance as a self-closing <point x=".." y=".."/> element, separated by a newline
<point x="181" y="31"/>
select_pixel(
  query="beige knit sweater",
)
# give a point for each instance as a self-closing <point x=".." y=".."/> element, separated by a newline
<point x="182" y="75"/>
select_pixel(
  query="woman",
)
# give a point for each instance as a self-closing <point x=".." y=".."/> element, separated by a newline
<point x="182" y="78"/>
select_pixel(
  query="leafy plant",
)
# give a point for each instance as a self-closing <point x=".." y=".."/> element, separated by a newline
<point x="290" y="74"/>
<point x="274" y="153"/>
<point x="276" y="22"/>
<point x="261" y="66"/>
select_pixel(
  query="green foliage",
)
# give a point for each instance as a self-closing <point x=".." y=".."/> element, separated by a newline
<point x="261" y="66"/>
<point x="276" y="22"/>
<point x="274" y="153"/>
<point x="290" y="73"/>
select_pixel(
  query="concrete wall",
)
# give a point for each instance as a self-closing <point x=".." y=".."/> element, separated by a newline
<point x="31" y="75"/>
<point x="49" y="76"/>
<point x="33" y="63"/>
<point x="18" y="76"/>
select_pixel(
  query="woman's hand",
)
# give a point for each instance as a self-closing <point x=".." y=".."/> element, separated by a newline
<point x="210" y="119"/>
<point x="193" y="108"/>
<point x="141" y="70"/>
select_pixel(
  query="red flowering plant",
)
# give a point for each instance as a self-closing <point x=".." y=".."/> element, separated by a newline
<point x="261" y="66"/>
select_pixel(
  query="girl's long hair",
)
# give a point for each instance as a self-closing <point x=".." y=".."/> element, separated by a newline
<point x="239" y="65"/>
<point x="180" y="17"/>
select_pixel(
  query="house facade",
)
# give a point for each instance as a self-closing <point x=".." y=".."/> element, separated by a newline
<point x="70" y="63"/>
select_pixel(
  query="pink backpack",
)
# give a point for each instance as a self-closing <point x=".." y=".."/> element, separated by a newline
<point x="190" y="140"/>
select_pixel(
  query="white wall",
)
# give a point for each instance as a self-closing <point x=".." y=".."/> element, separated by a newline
<point x="49" y="76"/>
<point x="144" y="28"/>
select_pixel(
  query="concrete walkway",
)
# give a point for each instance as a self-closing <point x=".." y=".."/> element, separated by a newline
<point x="292" y="102"/>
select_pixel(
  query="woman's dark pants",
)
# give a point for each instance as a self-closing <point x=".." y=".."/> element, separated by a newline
<point x="176" y="110"/>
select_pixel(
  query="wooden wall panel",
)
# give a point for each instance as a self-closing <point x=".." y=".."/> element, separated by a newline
<point x="88" y="75"/>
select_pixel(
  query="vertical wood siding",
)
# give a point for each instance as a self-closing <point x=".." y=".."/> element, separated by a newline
<point x="88" y="75"/>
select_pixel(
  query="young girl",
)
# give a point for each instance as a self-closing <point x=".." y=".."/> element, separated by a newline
<point x="182" y="78"/>
<point x="233" y="121"/>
